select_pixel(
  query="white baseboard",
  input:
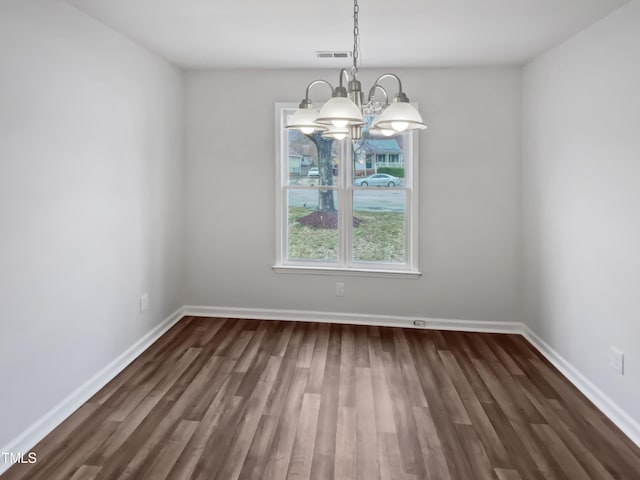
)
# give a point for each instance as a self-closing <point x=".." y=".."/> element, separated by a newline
<point x="43" y="426"/>
<point x="353" y="319"/>
<point x="64" y="409"/>
<point x="607" y="406"/>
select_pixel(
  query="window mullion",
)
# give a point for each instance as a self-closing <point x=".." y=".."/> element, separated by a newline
<point x="408" y="224"/>
<point x="347" y="153"/>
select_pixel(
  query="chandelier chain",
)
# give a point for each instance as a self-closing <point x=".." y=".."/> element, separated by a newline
<point x="356" y="35"/>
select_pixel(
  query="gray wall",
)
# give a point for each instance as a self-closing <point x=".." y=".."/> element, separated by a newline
<point x="469" y="197"/>
<point x="581" y="199"/>
<point x="90" y="202"/>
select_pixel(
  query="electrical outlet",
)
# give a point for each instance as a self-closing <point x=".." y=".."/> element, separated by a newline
<point x="144" y="302"/>
<point x="617" y="360"/>
<point x="419" y="323"/>
<point x="339" y="289"/>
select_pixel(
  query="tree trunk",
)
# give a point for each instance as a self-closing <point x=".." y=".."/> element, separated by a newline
<point x="326" y="202"/>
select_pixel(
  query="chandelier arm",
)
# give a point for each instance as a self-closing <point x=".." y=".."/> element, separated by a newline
<point x="392" y="75"/>
<point x="316" y="82"/>
<point x="372" y="92"/>
<point x="344" y="73"/>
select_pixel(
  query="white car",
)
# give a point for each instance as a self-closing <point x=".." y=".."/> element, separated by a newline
<point x="377" y="180"/>
<point x="313" y="172"/>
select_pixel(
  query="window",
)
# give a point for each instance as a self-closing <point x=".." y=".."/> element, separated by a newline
<point x="351" y="208"/>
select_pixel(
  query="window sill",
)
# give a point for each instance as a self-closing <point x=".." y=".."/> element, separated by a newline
<point x="348" y="272"/>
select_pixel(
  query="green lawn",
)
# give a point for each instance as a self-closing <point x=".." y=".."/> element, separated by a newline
<point x="379" y="238"/>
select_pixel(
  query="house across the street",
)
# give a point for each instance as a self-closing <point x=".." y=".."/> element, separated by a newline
<point x="378" y="152"/>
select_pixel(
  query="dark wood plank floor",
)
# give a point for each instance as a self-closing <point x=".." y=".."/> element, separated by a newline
<point x="227" y="399"/>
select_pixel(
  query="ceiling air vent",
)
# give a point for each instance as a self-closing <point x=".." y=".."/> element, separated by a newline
<point x="327" y="54"/>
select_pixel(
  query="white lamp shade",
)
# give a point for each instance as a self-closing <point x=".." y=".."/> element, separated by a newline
<point x="381" y="132"/>
<point x="400" y="116"/>
<point x="335" y="132"/>
<point x="305" y="120"/>
<point x="340" y="112"/>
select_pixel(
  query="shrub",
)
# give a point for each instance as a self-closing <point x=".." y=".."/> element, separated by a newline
<point x="395" y="171"/>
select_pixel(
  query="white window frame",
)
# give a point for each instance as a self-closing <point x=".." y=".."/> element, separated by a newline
<point x="345" y="200"/>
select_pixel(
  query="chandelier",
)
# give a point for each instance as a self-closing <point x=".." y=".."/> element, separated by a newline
<point x="344" y="114"/>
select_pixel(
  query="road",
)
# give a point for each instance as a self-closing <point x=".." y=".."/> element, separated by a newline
<point x="372" y="199"/>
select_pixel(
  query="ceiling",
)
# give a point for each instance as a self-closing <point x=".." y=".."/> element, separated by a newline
<point x="401" y="33"/>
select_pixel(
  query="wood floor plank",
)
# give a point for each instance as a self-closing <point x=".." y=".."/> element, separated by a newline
<point x="506" y="474"/>
<point x="345" y="466"/>
<point x="225" y="339"/>
<point x="366" y="438"/>
<point x="415" y="395"/>
<point x="381" y="396"/>
<point x="325" y="443"/>
<point x="403" y="417"/>
<point x="477" y="414"/>
<point x="214" y="452"/>
<point x="253" y="466"/>
<point x="210" y="330"/>
<point x="277" y="398"/>
<point x="362" y="348"/>
<point x="309" y="332"/>
<point x="81" y="453"/>
<point x="457" y="462"/>
<point x="86" y="472"/>
<point x="347" y="386"/>
<point x="171" y="451"/>
<point x="433" y="456"/>
<point x="59" y="453"/>
<point x="318" y="360"/>
<point x="122" y="447"/>
<point x="279" y="454"/>
<point x="242" y="437"/>
<point x="520" y="456"/>
<point x="389" y="458"/>
<point x="251" y="352"/>
<point x="596" y="438"/>
<point x="187" y="463"/>
<point x="260" y="362"/>
<point x="475" y="452"/>
<point x="283" y="335"/>
<point x="561" y="453"/>
<point x="302" y="454"/>
<point x="580" y="405"/>
<point x="545" y="464"/>
<point x="493" y="342"/>
<point x="450" y="395"/>
<point x="226" y="399"/>
<point x="144" y="456"/>
<point x="572" y="442"/>
<point x="465" y="355"/>
<point x="46" y="448"/>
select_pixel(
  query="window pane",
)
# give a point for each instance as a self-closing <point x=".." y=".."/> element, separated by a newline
<point x="379" y="231"/>
<point x="376" y="154"/>
<point x="305" y="167"/>
<point x="312" y="227"/>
